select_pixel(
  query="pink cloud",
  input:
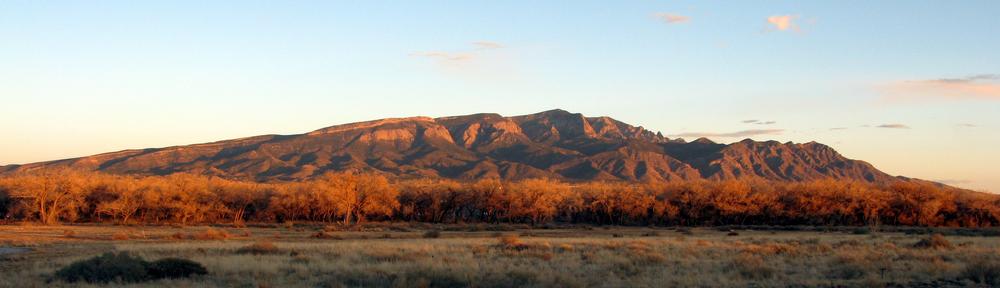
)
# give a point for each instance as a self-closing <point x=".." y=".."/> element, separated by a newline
<point x="983" y="87"/>
<point x="783" y="22"/>
<point x="670" y="18"/>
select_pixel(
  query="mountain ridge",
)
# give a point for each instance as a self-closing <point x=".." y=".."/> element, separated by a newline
<point x="551" y="144"/>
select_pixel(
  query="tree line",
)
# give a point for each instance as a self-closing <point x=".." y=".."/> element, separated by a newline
<point x="72" y="196"/>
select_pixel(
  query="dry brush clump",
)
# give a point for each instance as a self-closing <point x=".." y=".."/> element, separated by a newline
<point x="935" y="241"/>
<point x="259" y="248"/>
<point x="211" y="234"/>
<point x="325" y="235"/>
<point x="432" y="234"/>
<point x="120" y="236"/>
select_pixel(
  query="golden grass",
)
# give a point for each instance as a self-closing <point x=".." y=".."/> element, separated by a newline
<point x="547" y="258"/>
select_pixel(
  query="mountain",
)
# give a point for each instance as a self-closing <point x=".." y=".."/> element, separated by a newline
<point x="554" y="144"/>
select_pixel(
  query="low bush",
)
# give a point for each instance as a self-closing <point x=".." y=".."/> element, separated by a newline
<point x="510" y="240"/>
<point x="432" y="234"/>
<point x="118" y="267"/>
<point x="324" y="235"/>
<point x="212" y="234"/>
<point x="180" y="236"/>
<point x="119" y="236"/>
<point x="175" y="268"/>
<point x="125" y="268"/>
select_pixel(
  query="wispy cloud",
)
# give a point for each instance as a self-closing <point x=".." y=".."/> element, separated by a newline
<point x="982" y="86"/>
<point x="838" y="128"/>
<point x="458" y="57"/>
<point x="970" y="78"/>
<point x="759" y="122"/>
<point x="893" y="126"/>
<point x="967" y="125"/>
<point x="487" y="45"/>
<point x="445" y="56"/>
<point x="671" y="18"/>
<point x="783" y="22"/>
<point x="743" y="133"/>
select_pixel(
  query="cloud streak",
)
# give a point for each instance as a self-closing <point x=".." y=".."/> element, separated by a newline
<point x="742" y="133"/>
<point x="460" y="58"/>
<point x="671" y="18"/>
<point x="893" y="126"/>
<point x="758" y="122"/>
<point x="444" y="56"/>
<point x="981" y="87"/>
<point x="487" y="45"/>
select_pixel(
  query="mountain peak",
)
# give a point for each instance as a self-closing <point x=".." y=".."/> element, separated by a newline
<point x="551" y="144"/>
<point x="369" y="124"/>
<point x="703" y="140"/>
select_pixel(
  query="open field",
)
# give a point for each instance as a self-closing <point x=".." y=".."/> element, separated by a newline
<point x="419" y="255"/>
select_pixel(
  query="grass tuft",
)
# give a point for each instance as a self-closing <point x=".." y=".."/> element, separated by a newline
<point x="935" y="241"/>
<point x="259" y="248"/>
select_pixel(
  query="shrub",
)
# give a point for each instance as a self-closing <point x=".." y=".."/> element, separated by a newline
<point x="566" y="247"/>
<point x="733" y="233"/>
<point x="106" y="268"/>
<point x="259" y="248"/>
<point x="324" y="235"/>
<point x="69" y="233"/>
<point x="175" y="268"/>
<point x="211" y="234"/>
<point x="510" y="240"/>
<point x="651" y="234"/>
<point x="983" y="272"/>
<point x="125" y="268"/>
<point x="935" y="241"/>
<point x="432" y="234"/>
<point x="119" y="236"/>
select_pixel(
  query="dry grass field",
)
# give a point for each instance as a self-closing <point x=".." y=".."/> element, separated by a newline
<point x="401" y="255"/>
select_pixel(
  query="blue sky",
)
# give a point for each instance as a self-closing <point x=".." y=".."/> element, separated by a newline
<point x="84" y="77"/>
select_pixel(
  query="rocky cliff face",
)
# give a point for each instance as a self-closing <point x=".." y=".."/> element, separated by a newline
<point x="554" y="144"/>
